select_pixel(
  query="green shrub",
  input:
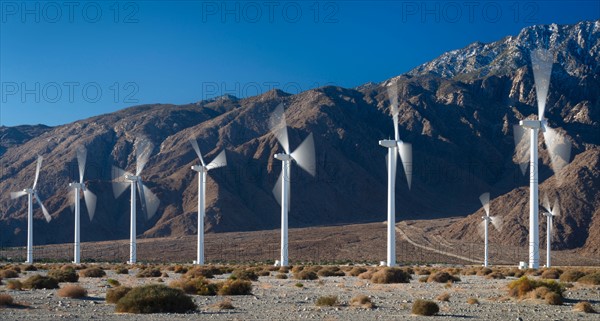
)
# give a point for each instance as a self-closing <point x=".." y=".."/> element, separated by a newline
<point x="328" y="300"/>
<point x="425" y="307"/>
<point x="113" y="282"/>
<point x="72" y="291"/>
<point x="40" y="282"/>
<point x="390" y="275"/>
<point x="306" y="275"/>
<point x="299" y="285"/>
<point x="155" y="298"/>
<point x="442" y="277"/>
<point x="113" y="295"/>
<point x="235" y="287"/>
<point x="571" y="276"/>
<point x="246" y="274"/>
<point x="64" y="275"/>
<point x="93" y="272"/>
<point x="149" y="273"/>
<point x="592" y="279"/>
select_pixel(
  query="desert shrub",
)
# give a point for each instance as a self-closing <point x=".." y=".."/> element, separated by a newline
<point x="539" y="293"/>
<point x="197" y="286"/>
<point x="444" y="297"/>
<point x="442" y="277"/>
<point x="367" y="275"/>
<point x="113" y="282"/>
<point x="14" y="285"/>
<point x="247" y="275"/>
<point x="155" y="298"/>
<point x="470" y="271"/>
<point x="331" y="271"/>
<point x="553" y="274"/>
<point x="452" y="270"/>
<point x="553" y="298"/>
<point x="263" y="273"/>
<point x="425" y="307"/>
<point x="164" y="275"/>
<point x="584" y="306"/>
<point x="295" y="269"/>
<point x="149" y="273"/>
<point x="180" y="269"/>
<point x="281" y="276"/>
<point x="40" y="282"/>
<point x="423" y="279"/>
<point x="472" y="301"/>
<point x="72" y="291"/>
<point x="362" y="301"/>
<point x="9" y="274"/>
<point x="306" y="275"/>
<point x="571" y="276"/>
<point x="93" y="272"/>
<point x="521" y="287"/>
<point x="284" y="269"/>
<point x="496" y="276"/>
<point x="121" y="270"/>
<point x="200" y="272"/>
<point x="357" y="270"/>
<point x="592" y="279"/>
<point x="484" y="271"/>
<point x="313" y="268"/>
<point x="327" y="300"/>
<point x="115" y="294"/>
<point x="422" y="271"/>
<point x="6" y="300"/>
<point x="67" y="275"/>
<point x="299" y="285"/>
<point x="30" y="268"/>
<point x="235" y="287"/>
<point x="390" y="275"/>
<point x="224" y="305"/>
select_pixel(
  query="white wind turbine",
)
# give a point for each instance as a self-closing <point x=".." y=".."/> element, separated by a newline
<point x="495" y="220"/>
<point x="149" y="201"/>
<point x="202" y="170"/>
<point x="304" y="156"/>
<point x="31" y="193"/>
<point x="405" y="151"/>
<point x="90" y="200"/>
<point x="549" y="214"/>
<point x="559" y="147"/>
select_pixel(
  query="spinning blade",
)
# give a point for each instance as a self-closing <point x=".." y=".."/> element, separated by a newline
<point x="277" y="188"/>
<point x="90" y="202"/>
<point x="521" y="147"/>
<point x="149" y="200"/>
<point x="541" y="62"/>
<point x="46" y="214"/>
<point x="81" y="159"/>
<point x="485" y="201"/>
<point x="18" y="194"/>
<point x="556" y="209"/>
<point x="497" y="222"/>
<point x="405" y="151"/>
<point x="559" y="148"/>
<point x="37" y="170"/>
<point x="197" y="149"/>
<point x="304" y="155"/>
<point x="119" y="183"/>
<point x="143" y="150"/>
<point x="219" y="161"/>
<point x="279" y="127"/>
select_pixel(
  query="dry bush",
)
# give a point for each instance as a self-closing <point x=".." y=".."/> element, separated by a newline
<point x="14" y="285"/>
<point x="444" y="297"/>
<point x="571" y="276"/>
<point x="224" y="305"/>
<point x="357" y="270"/>
<point x="425" y="307"/>
<point x="121" y="270"/>
<point x="453" y="270"/>
<point x="553" y="298"/>
<point x="30" y="268"/>
<point x="299" y="285"/>
<point x="390" y="275"/>
<point x="149" y="273"/>
<point x="327" y="300"/>
<point x="522" y="287"/>
<point x="367" y="275"/>
<point x="40" y="282"/>
<point x="423" y="279"/>
<point x="9" y="274"/>
<point x="93" y="272"/>
<point x="553" y="274"/>
<point x="442" y="277"/>
<point x="496" y="276"/>
<point x="313" y="268"/>
<point x="470" y="271"/>
<point x="6" y="300"/>
<point x="296" y="268"/>
<point x="115" y="294"/>
<point x="362" y="301"/>
<point x="155" y="298"/>
<point x="484" y="271"/>
<point x="72" y="291"/>
<point x="284" y="269"/>
<point x="472" y="300"/>
<point x="180" y="269"/>
<point x="113" y="282"/>
<point x="584" y="306"/>
<point x="67" y="275"/>
<point x="264" y="272"/>
<point x="200" y="272"/>
<point x="331" y="271"/>
<point x="235" y="287"/>
<point x="592" y="279"/>
<point x="244" y="274"/>
<point x="306" y="275"/>
<point x="422" y="271"/>
<point x="281" y="276"/>
<point x="197" y="286"/>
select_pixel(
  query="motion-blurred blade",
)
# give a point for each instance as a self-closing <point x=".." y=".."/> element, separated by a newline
<point x="485" y="201"/>
<point x="143" y="150"/>
<point x="559" y="148"/>
<point x="396" y="133"/>
<point x="197" y="149"/>
<point x="219" y="161"/>
<point x="497" y="222"/>
<point x="481" y="229"/>
<point x="72" y="200"/>
<point x="37" y="170"/>
<point x="90" y="202"/>
<point x="81" y="159"/>
<point x="277" y="188"/>
<point x="556" y="209"/>
<point x="279" y="127"/>
<point x="18" y="194"/>
<point x="149" y="200"/>
<point x="46" y="214"/>
<point x="304" y="155"/>
<point x="405" y="151"/>
<point x="392" y="92"/>
<point x="521" y="148"/>
<point x="546" y="204"/>
<point x="119" y="183"/>
<point x="541" y="63"/>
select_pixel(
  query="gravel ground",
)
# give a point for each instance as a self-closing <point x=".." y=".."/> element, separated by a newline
<point x="276" y="299"/>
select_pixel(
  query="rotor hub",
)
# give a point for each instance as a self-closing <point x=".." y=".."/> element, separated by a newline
<point x="283" y="157"/>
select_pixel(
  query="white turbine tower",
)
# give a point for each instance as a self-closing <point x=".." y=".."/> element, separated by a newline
<point x="549" y="214"/>
<point x="485" y="201"/>
<point x="90" y="201"/>
<point x="32" y="193"/>
<point x="202" y="170"/>
<point x="149" y="201"/>
<point x="559" y="147"/>
<point x="405" y="151"/>
<point x="304" y="156"/>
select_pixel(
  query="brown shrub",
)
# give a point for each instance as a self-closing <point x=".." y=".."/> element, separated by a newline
<point x="472" y="300"/>
<point x="496" y="276"/>
<point x="281" y="276"/>
<point x="442" y="277"/>
<point x="331" y="271"/>
<point x="584" y="306"/>
<point x="67" y="275"/>
<point x="484" y="271"/>
<point x="306" y="275"/>
<point x="155" y="298"/>
<point x="149" y="273"/>
<point x="14" y="285"/>
<point x="553" y="274"/>
<point x="571" y="276"/>
<point x="114" y="294"/>
<point x="357" y="270"/>
<point x="444" y="297"/>
<point x="235" y="287"/>
<point x="425" y="307"/>
<point x="197" y="286"/>
<point x="592" y="279"/>
<point x="553" y="298"/>
<point x="367" y="275"/>
<point x="9" y="274"/>
<point x="72" y="291"/>
<point x="391" y="275"/>
<point x="328" y="300"/>
<point x="224" y="305"/>
<point x="93" y="272"/>
<point x="362" y="301"/>
<point x="6" y="300"/>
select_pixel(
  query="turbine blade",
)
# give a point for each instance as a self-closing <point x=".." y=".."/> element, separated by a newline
<point x="485" y="201"/>
<point x="481" y="229"/>
<point x="119" y="184"/>
<point x="304" y="155"/>
<point x="396" y="133"/>
<point x="37" y="170"/>
<point x="521" y="148"/>
<point x="46" y="214"/>
<point x="90" y="203"/>
<point x="546" y="204"/>
<point x="151" y="201"/>
<point x="72" y="200"/>
<point x="141" y="191"/>
<point x="18" y="194"/>
<point x="392" y="92"/>
<point x="219" y="161"/>
<point x="279" y="127"/>
<point x="556" y="209"/>
<point x="197" y="149"/>
<point x="143" y="150"/>
<point x="405" y="151"/>
<point x="81" y="159"/>
<point x="277" y="188"/>
<point x="541" y="63"/>
<point x="559" y="149"/>
<point x="497" y="222"/>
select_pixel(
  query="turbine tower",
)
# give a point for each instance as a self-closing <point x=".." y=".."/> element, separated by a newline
<point x="304" y="156"/>
<point x="32" y="193"/>
<point x="559" y="147"/>
<point x="149" y="201"/>
<point x="549" y="214"/>
<point x="202" y="170"/>
<point x="485" y="201"/>
<point x="405" y="151"/>
<point x="90" y="201"/>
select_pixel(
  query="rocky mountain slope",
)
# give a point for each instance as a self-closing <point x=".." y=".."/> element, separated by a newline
<point x="457" y="111"/>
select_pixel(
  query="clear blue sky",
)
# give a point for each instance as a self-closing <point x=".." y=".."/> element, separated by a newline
<point x="55" y="57"/>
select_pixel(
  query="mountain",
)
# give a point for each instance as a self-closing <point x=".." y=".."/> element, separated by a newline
<point x="457" y="111"/>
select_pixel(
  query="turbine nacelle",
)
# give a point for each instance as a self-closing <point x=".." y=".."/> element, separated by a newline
<point x="283" y="157"/>
<point x="199" y="168"/>
<point x="76" y="185"/>
<point x="133" y="178"/>
<point x="533" y="124"/>
<point x="388" y="143"/>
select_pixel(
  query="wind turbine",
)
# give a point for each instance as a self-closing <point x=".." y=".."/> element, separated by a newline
<point x="304" y="156"/>
<point x="559" y="147"/>
<point x="549" y="214"/>
<point x="202" y="170"/>
<point x="149" y="201"/>
<point x="90" y="200"/>
<point x="31" y="193"/>
<point x="405" y="151"/>
<point x="495" y="220"/>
